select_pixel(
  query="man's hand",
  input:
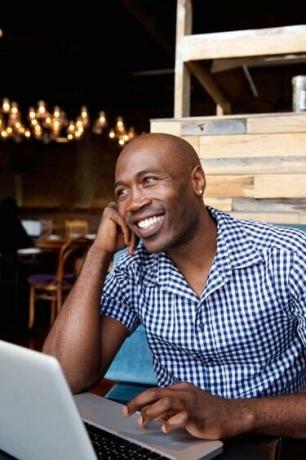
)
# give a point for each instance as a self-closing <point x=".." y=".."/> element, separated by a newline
<point x="113" y="233"/>
<point x="185" y="406"/>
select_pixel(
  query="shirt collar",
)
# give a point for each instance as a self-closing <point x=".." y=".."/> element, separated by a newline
<point x="233" y="244"/>
<point x="234" y="251"/>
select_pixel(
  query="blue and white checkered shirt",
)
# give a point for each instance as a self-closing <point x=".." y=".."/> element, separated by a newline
<point x="245" y="337"/>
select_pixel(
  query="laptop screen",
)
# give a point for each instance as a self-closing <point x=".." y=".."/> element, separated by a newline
<point x="33" y="227"/>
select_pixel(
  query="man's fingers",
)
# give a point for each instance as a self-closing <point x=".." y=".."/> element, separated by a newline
<point x="142" y="400"/>
<point x="178" y="420"/>
<point x="161" y="409"/>
<point x="126" y="232"/>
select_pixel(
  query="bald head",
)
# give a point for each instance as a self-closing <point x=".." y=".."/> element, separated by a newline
<point x="181" y="154"/>
<point x="159" y="185"/>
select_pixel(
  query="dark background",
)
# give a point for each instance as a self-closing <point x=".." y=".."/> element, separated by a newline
<point x="97" y="53"/>
<point x="117" y="56"/>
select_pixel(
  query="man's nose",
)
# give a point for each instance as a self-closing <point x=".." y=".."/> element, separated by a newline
<point x="137" y="200"/>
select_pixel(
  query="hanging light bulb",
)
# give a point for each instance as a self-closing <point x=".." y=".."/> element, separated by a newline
<point x="6" y="106"/>
<point x="54" y="126"/>
<point x="120" y="133"/>
<point x="84" y="116"/>
<point x="41" y="112"/>
<point x="100" y="124"/>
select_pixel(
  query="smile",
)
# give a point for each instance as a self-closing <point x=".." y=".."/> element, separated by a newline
<point x="146" y="223"/>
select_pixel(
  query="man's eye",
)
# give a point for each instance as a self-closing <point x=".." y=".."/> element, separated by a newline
<point x="149" y="179"/>
<point x="120" y="193"/>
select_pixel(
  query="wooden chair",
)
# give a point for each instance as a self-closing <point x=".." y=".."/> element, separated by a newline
<point x="75" y="228"/>
<point x="55" y="287"/>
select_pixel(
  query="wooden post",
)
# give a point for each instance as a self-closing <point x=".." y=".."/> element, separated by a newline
<point x="182" y="73"/>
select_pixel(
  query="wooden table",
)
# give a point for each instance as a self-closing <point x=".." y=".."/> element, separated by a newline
<point x="55" y="243"/>
<point x="50" y="244"/>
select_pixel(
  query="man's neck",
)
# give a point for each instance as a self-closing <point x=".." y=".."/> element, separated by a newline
<point x="195" y="257"/>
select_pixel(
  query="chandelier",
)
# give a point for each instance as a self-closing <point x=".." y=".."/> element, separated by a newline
<point x="55" y="126"/>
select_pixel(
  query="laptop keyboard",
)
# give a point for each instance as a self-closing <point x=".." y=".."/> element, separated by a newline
<point x="109" y="446"/>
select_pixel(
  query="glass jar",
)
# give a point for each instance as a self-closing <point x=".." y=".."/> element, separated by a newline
<point x="299" y="93"/>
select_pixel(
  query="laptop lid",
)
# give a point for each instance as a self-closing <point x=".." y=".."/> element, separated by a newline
<point x="39" y="418"/>
<point x="33" y="227"/>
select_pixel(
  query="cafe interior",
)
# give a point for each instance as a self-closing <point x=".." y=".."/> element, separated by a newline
<point x="80" y="81"/>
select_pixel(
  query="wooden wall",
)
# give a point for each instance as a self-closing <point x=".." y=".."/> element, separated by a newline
<point x="255" y="165"/>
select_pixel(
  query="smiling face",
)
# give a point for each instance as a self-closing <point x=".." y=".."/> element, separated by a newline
<point x="157" y="184"/>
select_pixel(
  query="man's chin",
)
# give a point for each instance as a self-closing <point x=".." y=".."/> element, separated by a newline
<point x="154" y="246"/>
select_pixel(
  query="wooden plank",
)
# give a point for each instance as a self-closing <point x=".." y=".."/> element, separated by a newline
<point x="244" y="43"/>
<point x="229" y="186"/>
<point x="296" y="123"/>
<point x="255" y="165"/>
<point x="169" y="127"/>
<point x="201" y="119"/>
<point x="274" y="218"/>
<point x="224" y="204"/>
<point x="220" y="65"/>
<point x="253" y="145"/>
<point x="214" y="127"/>
<point x="182" y="73"/>
<point x="280" y="186"/>
<point x="182" y="90"/>
<point x="211" y="86"/>
<point x="194" y="141"/>
<point x="273" y="205"/>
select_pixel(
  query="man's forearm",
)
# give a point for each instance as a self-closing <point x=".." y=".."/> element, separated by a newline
<point x="277" y="416"/>
<point x="75" y="336"/>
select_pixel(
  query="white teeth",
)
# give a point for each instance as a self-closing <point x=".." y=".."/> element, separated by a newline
<point x="150" y="221"/>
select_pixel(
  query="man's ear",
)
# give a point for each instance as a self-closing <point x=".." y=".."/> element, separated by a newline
<point x="198" y="180"/>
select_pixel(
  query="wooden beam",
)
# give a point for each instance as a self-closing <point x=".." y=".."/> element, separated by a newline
<point x="210" y="85"/>
<point x="221" y="65"/>
<point x="182" y="73"/>
<point x="244" y="43"/>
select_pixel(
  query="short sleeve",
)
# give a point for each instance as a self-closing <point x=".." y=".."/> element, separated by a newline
<point x="297" y="284"/>
<point x="116" y="300"/>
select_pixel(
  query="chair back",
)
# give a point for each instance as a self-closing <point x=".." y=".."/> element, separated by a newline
<point x="70" y="261"/>
<point x="71" y="257"/>
<point x="75" y="228"/>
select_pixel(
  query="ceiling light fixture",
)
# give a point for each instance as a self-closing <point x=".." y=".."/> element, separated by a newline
<point x="55" y="126"/>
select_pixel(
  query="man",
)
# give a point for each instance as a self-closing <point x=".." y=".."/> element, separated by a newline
<point x="223" y="302"/>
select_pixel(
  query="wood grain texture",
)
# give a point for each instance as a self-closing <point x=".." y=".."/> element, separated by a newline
<point x="253" y="145"/>
<point x="296" y="123"/>
<point x="255" y="165"/>
<point x="243" y="43"/>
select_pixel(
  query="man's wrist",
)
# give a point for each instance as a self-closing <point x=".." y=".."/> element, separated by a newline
<point x="98" y="252"/>
<point x="243" y="415"/>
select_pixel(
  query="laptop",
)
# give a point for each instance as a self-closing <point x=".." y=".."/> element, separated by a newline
<point x="33" y="227"/>
<point x="41" y="420"/>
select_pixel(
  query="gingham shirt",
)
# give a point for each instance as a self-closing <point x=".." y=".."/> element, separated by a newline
<point x="245" y="337"/>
